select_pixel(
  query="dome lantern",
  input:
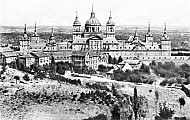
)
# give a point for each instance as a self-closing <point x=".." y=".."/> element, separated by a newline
<point x="110" y="21"/>
<point x="76" y="22"/>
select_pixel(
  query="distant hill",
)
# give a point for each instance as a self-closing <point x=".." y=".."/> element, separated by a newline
<point x="68" y="29"/>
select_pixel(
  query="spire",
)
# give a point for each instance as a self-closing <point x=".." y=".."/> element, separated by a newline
<point x="149" y="28"/>
<point x="110" y="15"/>
<point x="35" y="28"/>
<point x="136" y="32"/>
<point x="25" y="34"/>
<point x="165" y="29"/>
<point x="52" y="35"/>
<point x="52" y="32"/>
<point x="136" y="37"/>
<point x="76" y="14"/>
<point x="25" y="29"/>
<point x="92" y="7"/>
<point x="92" y="13"/>
<point x="76" y="18"/>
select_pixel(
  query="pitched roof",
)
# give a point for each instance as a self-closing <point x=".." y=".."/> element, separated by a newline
<point x="5" y="49"/>
<point x="39" y="54"/>
<point x="130" y="62"/>
<point x="78" y="53"/>
<point x="65" y="53"/>
<point x="111" y="41"/>
<point x="26" y="56"/>
<point x="80" y="41"/>
<point x="10" y="54"/>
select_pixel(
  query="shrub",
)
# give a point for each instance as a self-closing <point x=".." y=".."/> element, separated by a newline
<point x="165" y="112"/>
<point x="164" y="82"/>
<point x="98" y="117"/>
<point x="26" y="77"/>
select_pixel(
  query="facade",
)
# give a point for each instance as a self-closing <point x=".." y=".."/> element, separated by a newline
<point x="50" y="45"/>
<point x="88" y="58"/>
<point x="41" y="58"/>
<point x="93" y="39"/>
<point x="8" y="57"/>
<point x="27" y="60"/>
<point x="60" y="56"/>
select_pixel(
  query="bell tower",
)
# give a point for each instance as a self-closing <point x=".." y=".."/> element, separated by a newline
<point x="76" y="28"/>
<point x="35" y="37"/>
<point x="148" y="36"/>
<point x="110" y="27"/>
<point x="165" y="41"/>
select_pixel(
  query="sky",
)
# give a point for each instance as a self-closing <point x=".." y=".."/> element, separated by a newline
<point x="124" y="12"/>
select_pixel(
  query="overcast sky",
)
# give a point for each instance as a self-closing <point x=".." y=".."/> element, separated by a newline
<point x="124" y="12"/>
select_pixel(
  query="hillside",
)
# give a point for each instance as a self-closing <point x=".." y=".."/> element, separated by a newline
<point x="53" y="100"/>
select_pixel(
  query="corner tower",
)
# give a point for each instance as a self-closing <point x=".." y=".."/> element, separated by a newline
<point x="24" y="41"/>
<point x="165" y="41"/>
<point x="35" y="37"/>
<point x="148" y="36"/>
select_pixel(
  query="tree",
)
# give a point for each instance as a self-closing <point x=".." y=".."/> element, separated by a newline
<point x="120" y="59"/>
<point x="4" y="66"/>
<point x="53" y="65"/>
<point x="157" y="97"/>
<point x="135" y="103"/>
<point x="114" y="90"/>
<point x="182" y="102"/>
<point x="110" y="61"/>
<point x="26" y="77"/>
<point x="165" y="112"/>
<point x="115" y="61"/>
<point x="145" y="69"/>
<point x="61" y="71"/>
<point x="13" y="65"/>
<point x="18" y="63"/>
<point x="115" y="113"/>
<point x="16" y="78"/>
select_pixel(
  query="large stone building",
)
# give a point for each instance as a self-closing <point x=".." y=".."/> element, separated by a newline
<point x="91" y="44"/>
<point x="92" y="38"/>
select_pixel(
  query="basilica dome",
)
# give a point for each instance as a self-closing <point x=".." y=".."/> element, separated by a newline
<point x="93" y="20"/>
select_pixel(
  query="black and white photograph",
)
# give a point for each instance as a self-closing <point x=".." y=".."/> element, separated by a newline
<point x="94" y="59"/>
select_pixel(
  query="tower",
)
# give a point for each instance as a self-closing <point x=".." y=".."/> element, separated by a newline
<point x="165" y="41"/>
<point x="35" y="37"/>
<point x="110" y="27"/>
<point x="166" y="45"/>
<point x="136" y="37"/>
<point x="76" y="28"/>
<point x="52" y="38"/>
<point x="25" y="33"/>
<point x="24" y="42"/>
<point x="148" y="36"/>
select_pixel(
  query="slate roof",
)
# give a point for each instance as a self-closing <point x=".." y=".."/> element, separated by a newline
<point x="6" y="49"/>
<point x="78" y="53"/>
<point x="10" y="54"/>
<point x="39" y="54"/>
